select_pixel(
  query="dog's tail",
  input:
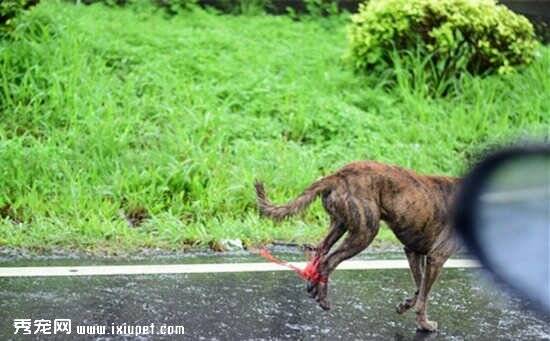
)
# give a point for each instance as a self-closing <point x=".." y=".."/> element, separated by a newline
<point x="278" y="213"/>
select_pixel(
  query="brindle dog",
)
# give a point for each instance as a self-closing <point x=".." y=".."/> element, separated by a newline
<point x="359" y="195"/>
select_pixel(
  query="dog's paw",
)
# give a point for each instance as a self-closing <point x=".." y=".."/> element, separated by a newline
<point x="318" y="291"/>
<point x="324" y="304"/>
<point x="426" y="326"/>
<point x="401" y="308"/>
<point x="312" y="289"/>
<point x="405" y="306"/>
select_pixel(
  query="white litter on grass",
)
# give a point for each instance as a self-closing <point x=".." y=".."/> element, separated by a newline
<point x="46" y="271"/>
<point x="232" y="244"/>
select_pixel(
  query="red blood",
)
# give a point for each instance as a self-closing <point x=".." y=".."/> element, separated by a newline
<point x="309" y="273"/>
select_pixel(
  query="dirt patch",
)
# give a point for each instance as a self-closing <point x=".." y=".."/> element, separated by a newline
<point x="8" y="212"/>
<point x="136" y="216"/>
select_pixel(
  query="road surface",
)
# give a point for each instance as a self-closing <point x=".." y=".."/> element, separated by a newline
<point x="262" y="305"/>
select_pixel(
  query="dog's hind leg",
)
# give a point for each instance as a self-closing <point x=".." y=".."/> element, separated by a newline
<point x="416" y="264"/>
<point x="352" y="245"/>
<point x="362" y="229"/>
<point x="337" y="226"/>
<point x="336" y="231"/>
<point x="434" y="264"/>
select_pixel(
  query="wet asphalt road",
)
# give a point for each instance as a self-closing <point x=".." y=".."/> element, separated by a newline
<point x="271" y="305"/>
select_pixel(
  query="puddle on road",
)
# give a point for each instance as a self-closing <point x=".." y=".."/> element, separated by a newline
<point x="273" y="305"/>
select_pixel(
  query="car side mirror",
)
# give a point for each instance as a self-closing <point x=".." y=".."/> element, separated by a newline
<point x="503" y="216"/>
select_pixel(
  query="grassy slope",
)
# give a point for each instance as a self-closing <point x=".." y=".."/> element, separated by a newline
<point x="106" y="111"/>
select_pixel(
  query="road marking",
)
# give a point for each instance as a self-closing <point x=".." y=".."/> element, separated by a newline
<point x="48" y="271"/>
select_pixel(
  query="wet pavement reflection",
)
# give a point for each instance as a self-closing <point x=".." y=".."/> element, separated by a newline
<point x="271" y="305"/>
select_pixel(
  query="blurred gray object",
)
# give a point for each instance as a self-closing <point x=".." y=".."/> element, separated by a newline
<point x="503" y="215"/>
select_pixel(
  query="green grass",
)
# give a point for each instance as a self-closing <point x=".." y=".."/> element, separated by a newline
<point x="108" y="110"/>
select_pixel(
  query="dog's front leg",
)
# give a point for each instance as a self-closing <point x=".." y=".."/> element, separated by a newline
<point x="434" y="264"/>
<point x="416" y="264"/>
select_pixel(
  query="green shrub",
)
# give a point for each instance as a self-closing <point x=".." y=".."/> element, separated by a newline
<point x="111" y="3"/>
<point x="171" y="7"/>
<point x="321" y="8"/>
<point x="9" y="9"/>
<point x="452" y="35"/>
<point x="313" y="8"/>
<point x="175" y="6"/>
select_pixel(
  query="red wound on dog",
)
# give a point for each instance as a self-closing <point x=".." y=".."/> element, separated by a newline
<point x="309" y="273"/>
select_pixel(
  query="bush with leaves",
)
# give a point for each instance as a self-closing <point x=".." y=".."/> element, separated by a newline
<point x="106" y="2"/>
<point x="170" y="6"/>
<point x="453" y="36"/>
<point x="175" y="6"/>
<point x="9" y="9"/>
